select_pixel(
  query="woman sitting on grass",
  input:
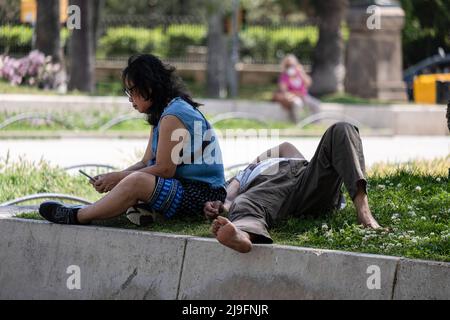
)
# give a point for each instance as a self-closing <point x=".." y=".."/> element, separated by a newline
<point x="167" y="180"/>
<point x="293" y="85"/>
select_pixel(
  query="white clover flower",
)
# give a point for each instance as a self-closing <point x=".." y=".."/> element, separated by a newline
<point x="411" y="231"/>
<point x="348" y="239"/>
<point x="433" y="217"/>
<point x="412" y="213"/>
<point x="399" y="185"/>
<point x="438" y="179"/>
<point x="414" y="240"/>
<point x="423" y="218"/>
<point x="432" y="234"/>
<point x="381" y="186"/>
<point x="418" y="188"/>
<point x="401" y="237"/>
<point x="324" y="227"/>
<point x="395" y="216"/>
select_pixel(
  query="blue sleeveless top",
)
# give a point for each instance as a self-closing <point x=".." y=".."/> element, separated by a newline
<point x="203" y="162"/>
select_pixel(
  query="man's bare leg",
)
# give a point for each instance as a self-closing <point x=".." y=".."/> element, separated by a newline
<point x="230" y="236"/>
<point x="362" y="208"/>
<point x="284" y="150"/>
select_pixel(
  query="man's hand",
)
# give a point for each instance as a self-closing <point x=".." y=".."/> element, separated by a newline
<point x="106" y="182"/>
<point x="212" y="209"/>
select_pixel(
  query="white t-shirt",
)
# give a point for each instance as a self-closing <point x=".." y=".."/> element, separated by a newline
<point x="265" y="167"/>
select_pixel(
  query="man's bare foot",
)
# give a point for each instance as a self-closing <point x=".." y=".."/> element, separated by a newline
<point x="365" y="216"/>
<point x="230" y="236"/>
<point x="368" y="221"/>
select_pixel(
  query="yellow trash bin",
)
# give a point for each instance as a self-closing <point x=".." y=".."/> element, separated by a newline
<point x="425" y="87"/>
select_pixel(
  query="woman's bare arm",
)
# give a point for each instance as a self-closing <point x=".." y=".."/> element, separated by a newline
<point x="145" y="159"/>
<point x="306" y="78"/>
<point x="167" y="157"/>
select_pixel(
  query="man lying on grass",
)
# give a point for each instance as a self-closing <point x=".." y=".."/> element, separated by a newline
<point x="275" y="188"/>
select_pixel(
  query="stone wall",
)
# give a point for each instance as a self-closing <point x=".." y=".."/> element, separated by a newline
<point x="40" y="260"/>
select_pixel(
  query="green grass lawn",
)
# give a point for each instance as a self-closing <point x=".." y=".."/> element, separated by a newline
<point x="411" y="199"/>
<point x="93" y="120"/>
<point x="246" y="92"/>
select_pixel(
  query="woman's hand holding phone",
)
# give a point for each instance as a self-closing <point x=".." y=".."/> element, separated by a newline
<point x="106" y="182"/>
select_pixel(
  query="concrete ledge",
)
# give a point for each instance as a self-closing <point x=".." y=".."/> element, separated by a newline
<point x="422" y="280"/>
<point x="399" y="119"/>
<point x="280" y="272"/>
<point x="124" y="264"/>
<point x="114" y="264"/>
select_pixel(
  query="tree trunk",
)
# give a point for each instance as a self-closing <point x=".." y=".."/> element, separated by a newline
<point x="48" y="28"/>
<point x="82" y="55"/>
<point x="216" y="75"/>
<point x="233" y="76"/>
<point x="98" y="6"/>
<point x="328" y="66"/>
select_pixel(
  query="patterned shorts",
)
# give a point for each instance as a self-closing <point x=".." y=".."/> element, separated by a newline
<point x="186" y="197"/>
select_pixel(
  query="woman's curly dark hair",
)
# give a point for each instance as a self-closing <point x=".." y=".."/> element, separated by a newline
<point x="156" y="81"/>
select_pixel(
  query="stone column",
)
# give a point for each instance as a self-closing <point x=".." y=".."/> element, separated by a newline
<point x="374" y="63"/>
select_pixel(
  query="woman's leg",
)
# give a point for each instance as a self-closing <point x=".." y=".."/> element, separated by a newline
<point x="312" y="103"/>
<point x="136" y="187"/>
<point x="287" y="103"/>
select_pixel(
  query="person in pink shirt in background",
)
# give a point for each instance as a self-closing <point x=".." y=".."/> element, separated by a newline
<point x="293" y="85"/>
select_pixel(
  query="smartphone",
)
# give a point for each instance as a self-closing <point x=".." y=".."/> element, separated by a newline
<point x="85" y="174"/>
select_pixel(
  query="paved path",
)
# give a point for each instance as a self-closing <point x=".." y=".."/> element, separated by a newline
<point x="123" y="152"/>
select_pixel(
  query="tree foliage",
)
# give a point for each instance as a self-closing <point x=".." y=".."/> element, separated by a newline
<point x="427" y="28"/>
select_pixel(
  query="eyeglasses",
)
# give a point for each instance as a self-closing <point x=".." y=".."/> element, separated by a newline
<point x="129" y="92"/>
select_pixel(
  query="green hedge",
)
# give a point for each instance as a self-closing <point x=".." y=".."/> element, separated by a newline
<point x="173" y="42"/>
<point x="266" y="44"/>
<point x="18" y="39"/>
<point x="259" y="43"/>
<point x="15" y="39"/>
<point x="123" y="41"/>
<point x="179" y="37"/>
